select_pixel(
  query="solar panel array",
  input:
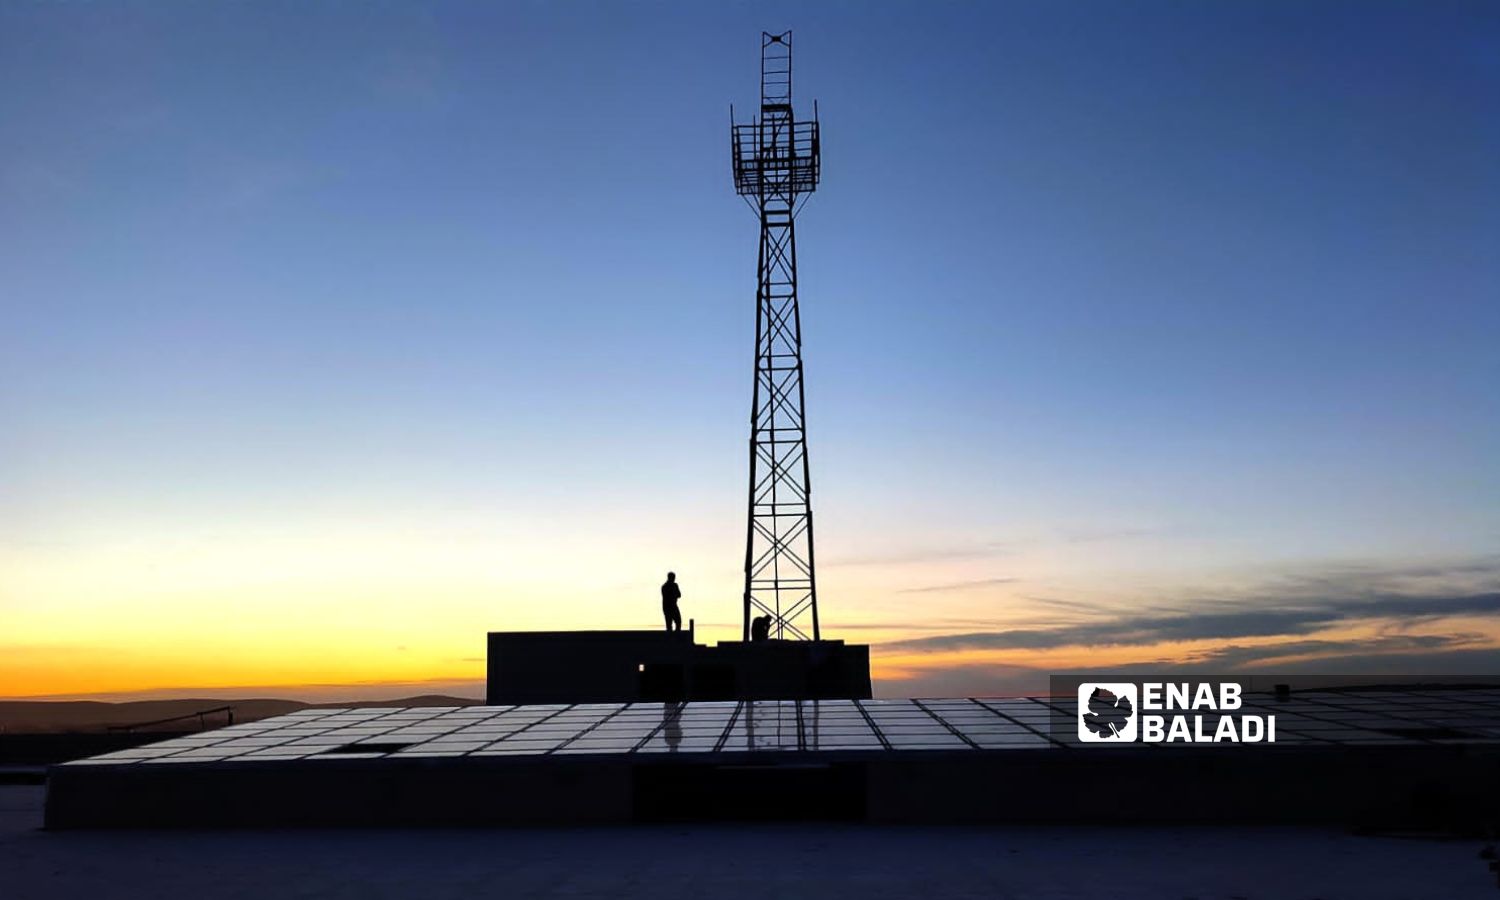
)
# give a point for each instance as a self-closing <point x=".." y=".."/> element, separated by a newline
<point x="963" y="725"/>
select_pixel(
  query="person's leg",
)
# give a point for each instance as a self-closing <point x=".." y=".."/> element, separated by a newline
<point x="666" y="613"/>
<point x="676" y="618"/>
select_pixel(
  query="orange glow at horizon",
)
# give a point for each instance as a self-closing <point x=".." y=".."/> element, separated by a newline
<point x="362" y="605"/>
<point x="224" y="661"/>
<point x="905" y="665"/>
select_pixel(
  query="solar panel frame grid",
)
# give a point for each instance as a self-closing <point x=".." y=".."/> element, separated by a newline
<point x="956" y="725"/>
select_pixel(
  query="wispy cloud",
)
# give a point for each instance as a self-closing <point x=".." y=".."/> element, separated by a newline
<point x="945" y="625"/>
<point x="1236" y="656"/>
<point x="1060" y="603"/>
<point x="1190" y="625"/>
<point x="909" y="555"/>
<point x="1090" y="535"/>
<point x="1291" y="602"/>
<point x="958" y="586"/>
<point x="1376" y="665"/>
<point x="992" y="548"/>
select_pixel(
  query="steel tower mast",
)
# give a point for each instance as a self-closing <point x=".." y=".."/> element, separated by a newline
<point x="776" y="162"/>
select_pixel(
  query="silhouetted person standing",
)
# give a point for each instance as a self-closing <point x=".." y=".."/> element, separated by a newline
<point x="670" y="594"/>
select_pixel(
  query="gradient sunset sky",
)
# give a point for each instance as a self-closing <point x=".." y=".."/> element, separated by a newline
<point x="1139" y="336"/>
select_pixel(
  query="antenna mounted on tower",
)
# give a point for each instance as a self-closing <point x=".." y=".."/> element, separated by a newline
<point x="776" y="160"/>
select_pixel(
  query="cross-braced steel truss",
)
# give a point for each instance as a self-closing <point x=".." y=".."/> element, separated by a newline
<point x="776" y="163"/>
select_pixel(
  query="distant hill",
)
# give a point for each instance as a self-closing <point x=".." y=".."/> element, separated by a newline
<point x="49" y="716"/>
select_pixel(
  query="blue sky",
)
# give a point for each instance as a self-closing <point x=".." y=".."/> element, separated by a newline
<point x="1106" y="301"/>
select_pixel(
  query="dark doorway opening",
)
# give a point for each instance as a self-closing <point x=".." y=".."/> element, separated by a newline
<point x="662" y="683"/>
<point x="713" y="681"/>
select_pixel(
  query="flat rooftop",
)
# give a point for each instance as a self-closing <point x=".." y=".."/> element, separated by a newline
<point x="728" y="860"/>
<point x="1376" y="758"/>
<point x="1374" y="718"/>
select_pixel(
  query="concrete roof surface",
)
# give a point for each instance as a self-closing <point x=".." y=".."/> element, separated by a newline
<point x="663" y="862"/>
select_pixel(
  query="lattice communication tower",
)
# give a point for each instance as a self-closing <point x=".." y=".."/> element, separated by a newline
<point x="776" y="165"/>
